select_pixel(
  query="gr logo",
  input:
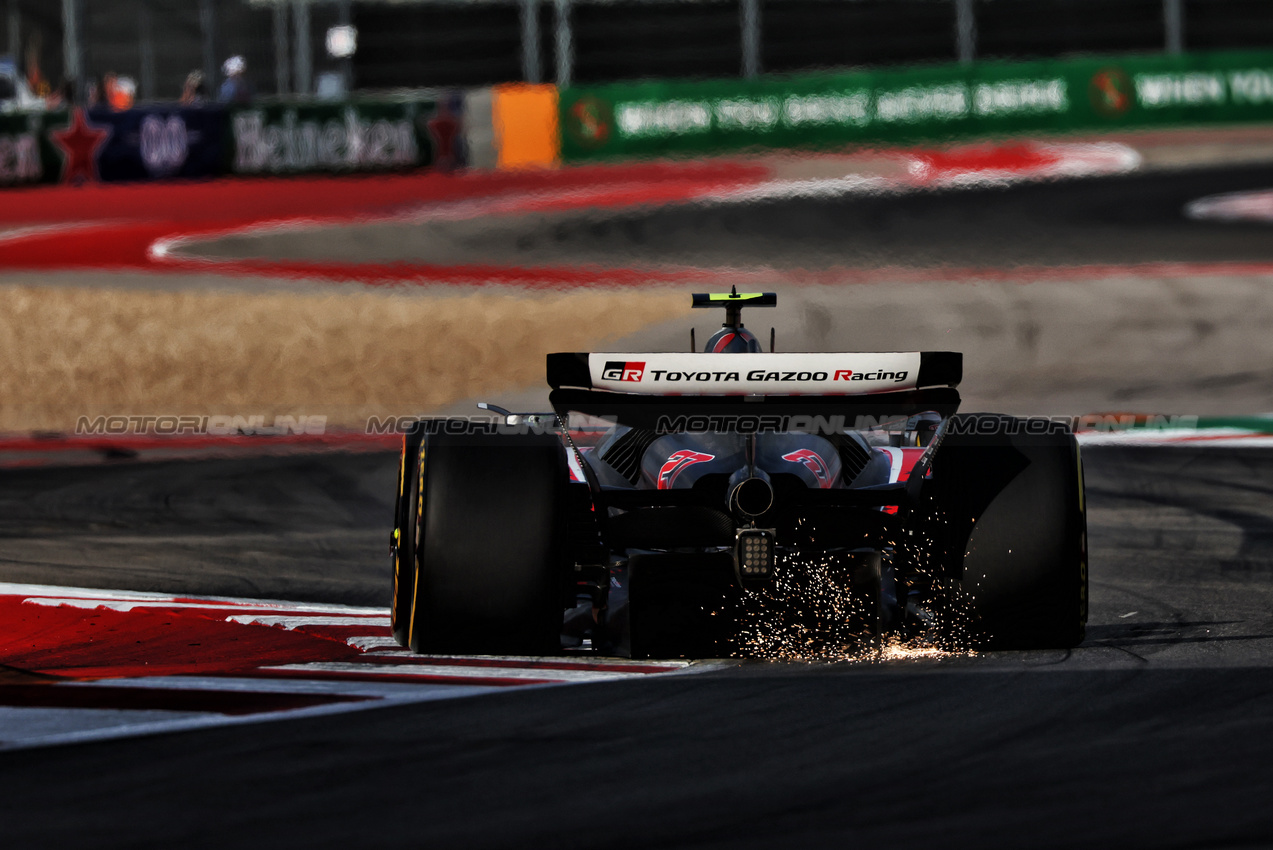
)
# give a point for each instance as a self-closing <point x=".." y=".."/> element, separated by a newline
<point x="619" y="370"/>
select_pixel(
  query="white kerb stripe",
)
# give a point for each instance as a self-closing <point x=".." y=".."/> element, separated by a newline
<point x="457" y="672"/>
<point x="290" y="623"/>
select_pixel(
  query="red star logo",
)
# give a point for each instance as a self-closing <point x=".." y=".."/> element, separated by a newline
<point x="80" y="143"/>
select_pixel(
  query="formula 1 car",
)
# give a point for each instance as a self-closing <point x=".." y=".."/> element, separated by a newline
<point x="669" y="497"/>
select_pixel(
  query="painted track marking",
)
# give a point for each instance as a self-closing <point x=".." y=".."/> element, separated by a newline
<point x="85" y="664"/>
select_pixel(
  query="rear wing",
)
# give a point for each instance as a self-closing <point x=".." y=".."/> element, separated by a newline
<point x="680" y="374"/>
<point x="724" y="392"/>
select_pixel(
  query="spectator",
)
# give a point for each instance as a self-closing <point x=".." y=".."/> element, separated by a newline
<point x="35" y="79"/>
<point x="62" y="97"/>
<point x="194" y="93"/>
<point x="236" y="88"/>
<point x="120" y="92"/>
<point x="92" y="93"/>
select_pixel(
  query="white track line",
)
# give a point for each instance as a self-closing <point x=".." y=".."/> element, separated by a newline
<point x="290" y="623"/>
<point x="456" y="672"/>
<point x="1254" y="205"/>
<point x="367" y="643"/>
<point x="133" y="724"/>
<point x="66" y="595"/>
<point x="1178" y="437"/>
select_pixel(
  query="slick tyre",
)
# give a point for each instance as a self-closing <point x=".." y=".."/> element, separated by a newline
<point x="1010" y="492"/>
<point x="490" y="544"/>
<point x="408" y="505"/>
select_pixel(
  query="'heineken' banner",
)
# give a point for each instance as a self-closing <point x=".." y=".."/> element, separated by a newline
<point x="917" y="104"/>
<point x="354" y="136"/>
<point x="161" y="142"/>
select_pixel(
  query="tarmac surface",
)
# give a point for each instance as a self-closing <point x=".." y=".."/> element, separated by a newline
<point x="1134" y="218"/>
<point x="1156" y="732"/>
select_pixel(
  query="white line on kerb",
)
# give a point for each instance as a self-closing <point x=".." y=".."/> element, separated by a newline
<point x="456" y="672"/>
<point x="291" y="623"/>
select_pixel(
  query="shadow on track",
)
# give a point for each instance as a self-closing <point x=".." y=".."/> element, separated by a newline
<point x="306" y="528"/>
<point x="1156" y="733"/>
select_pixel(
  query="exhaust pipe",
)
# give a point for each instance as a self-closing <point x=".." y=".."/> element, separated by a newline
<point x="750" y="492"/>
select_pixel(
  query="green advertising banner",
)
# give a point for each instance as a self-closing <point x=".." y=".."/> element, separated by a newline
<point x="342" y="137"/>
<point x="915" y="104"/>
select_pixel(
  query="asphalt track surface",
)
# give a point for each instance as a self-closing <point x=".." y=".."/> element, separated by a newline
<point x="1157" y="732"/>
<point x="1131" y="219"/>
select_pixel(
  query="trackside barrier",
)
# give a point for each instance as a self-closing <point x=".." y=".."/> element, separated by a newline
<point x="913" y="105"/>
<point x="275" y="138"/>
<point x="525" y="125"/>
<point x="356" y="135"/>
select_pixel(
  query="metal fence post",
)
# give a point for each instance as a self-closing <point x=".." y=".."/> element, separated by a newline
<point x="346" y="18"/>
<point x="146" y="46"/>
<point x="565" y="44"/>
<point x="304" y="57"/>
<point x="72" y="60"/>
<point x="1174" y="26"/>
<point x="530" y="41"/>
<point x="282" y="56"/>
<point x="208" y="29"/>
<point x="749" y="11"/>
<point x="965" y="32"/>
<point x="15" y="31"/>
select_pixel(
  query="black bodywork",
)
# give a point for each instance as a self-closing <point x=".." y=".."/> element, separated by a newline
<point x="659" y="490"/>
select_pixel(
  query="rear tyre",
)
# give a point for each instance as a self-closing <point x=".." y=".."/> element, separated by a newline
<point x="1010" y="492"/>
<point x="402" y="550"/>
<point x="490" y="544"/>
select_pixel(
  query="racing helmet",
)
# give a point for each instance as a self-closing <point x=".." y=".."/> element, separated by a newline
<point x="733" y="340"/>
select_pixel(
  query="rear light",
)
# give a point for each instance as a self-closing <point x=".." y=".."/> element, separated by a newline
<point x="754" y="551"/>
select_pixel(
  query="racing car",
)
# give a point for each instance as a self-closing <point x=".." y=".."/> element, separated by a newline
<point x="668" y="494"/>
